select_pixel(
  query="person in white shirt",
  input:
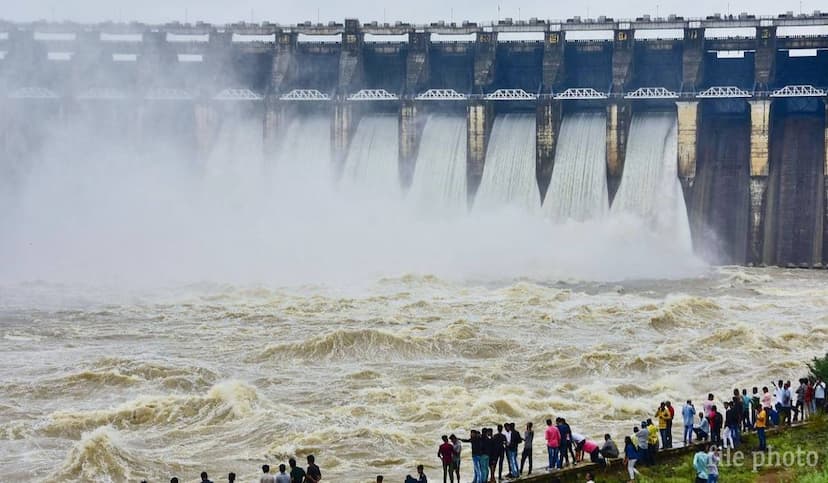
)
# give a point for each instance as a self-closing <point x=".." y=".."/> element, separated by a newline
<point x="267" y="477"/>
<point x="590" y="477"/>
<point x="819" y="395"/>
<point x="777" y="394"/>
<point x="578" y="444"/>
<point x="282" y="477"/>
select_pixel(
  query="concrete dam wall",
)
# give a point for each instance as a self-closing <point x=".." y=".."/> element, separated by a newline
<point x="746" y="95"/>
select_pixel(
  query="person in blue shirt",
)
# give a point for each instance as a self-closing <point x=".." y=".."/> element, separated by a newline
<point x="630" y="457"/>
<point x="700" y="462"/>
<point x="566" y="443"/>
<point x="688" y="414"/>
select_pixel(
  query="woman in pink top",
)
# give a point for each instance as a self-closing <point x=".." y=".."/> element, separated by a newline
<point x="591" y="448"/>
<point x="767" y="398"/>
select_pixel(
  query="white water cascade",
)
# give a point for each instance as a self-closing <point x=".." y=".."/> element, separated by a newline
<point x="650" y="188"/>
<point x="305" y="151"/>
<point x="372" y="166"/>
<point x="509" y="173"/>
<point x="235" y="169"/>
<point x="439" y="184"/>
<point x="237" y="150"/>
<point x="578" y="188"/>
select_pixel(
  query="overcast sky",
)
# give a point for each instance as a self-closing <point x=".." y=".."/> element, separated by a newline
<point x="292" y="11"/>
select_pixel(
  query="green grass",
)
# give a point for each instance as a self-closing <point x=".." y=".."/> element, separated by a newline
<point x="813" y="437"/>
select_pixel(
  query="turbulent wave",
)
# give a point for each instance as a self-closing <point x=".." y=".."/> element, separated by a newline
<point x="108" y="374"/>
<point x="224" y="402"/>
<point x="737" y="276"/>
<point x="99" y="456"/>
<point x="374" y="344"/>
<point x="685" y="311"/>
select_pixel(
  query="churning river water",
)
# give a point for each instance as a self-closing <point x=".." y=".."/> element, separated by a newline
<point x="150" y="384"/>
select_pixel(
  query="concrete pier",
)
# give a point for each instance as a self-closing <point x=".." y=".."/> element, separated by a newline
<point x="345" y="121"/>
<point x="618" y="124"/>
<point x="480" y="118"/>
<point x="547" y="126"/>
<point x="825" y="197"/>
<point x="411" y="129"/>
<point x="759" y="164"/>
<point x="688" y="125"/>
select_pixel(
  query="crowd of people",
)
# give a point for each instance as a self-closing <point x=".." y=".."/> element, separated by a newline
<point x="743" y="412"/>
<point x="781" y="405"/>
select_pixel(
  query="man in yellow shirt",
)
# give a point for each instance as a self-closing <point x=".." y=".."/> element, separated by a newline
<point x="663" y="415"/>
<point x="652" y="441"/>
<point x="761" y="424"/>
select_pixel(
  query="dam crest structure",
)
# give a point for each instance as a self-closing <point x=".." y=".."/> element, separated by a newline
<point x="748" y="94"/>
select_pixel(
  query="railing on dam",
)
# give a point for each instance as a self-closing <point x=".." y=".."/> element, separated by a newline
<point x="314" y="95"/>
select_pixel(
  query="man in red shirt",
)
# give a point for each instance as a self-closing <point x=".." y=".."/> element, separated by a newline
<point x="446" y="454"/>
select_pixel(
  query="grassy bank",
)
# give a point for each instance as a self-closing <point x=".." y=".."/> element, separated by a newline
<point x="811" y="437"/>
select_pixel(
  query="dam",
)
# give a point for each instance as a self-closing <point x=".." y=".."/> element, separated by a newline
<point x="741" y="102"/>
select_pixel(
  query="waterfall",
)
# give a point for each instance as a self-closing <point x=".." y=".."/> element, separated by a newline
<point x="303" y="155"/>
<point x="650" y="188"/>
<point x="238" y="149"/>
<point x="578" y="189"/>
<point x="509" y="172"/>
<point x="372" y="166"/>
<point x="439" y="184"/>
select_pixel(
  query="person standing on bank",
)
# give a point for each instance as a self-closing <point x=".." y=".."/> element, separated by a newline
<point x="313" y="474"/>
<point x="512" y="449"/>
<point x="630" y="457"/>
<point x="700" y="465"/>
<point x="297" y="474"/>
<point x="819" y="396"/>
<point x="457" y="448"/>
<point x="528" y="437"/>
<point x="688" y="415"/>
<point x="663" y="415"/>
<point x="499" y="452"/>
<point x="672" y="411"/>
<point x="713" y="458"/>
<point x="446" y="454"/>
<point x="553" y="444"/>
<point x="267" y="477"/>
<point x="760" y="425"/>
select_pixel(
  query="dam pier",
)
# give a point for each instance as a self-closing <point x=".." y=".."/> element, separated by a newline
<point x="748" y="94"/>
